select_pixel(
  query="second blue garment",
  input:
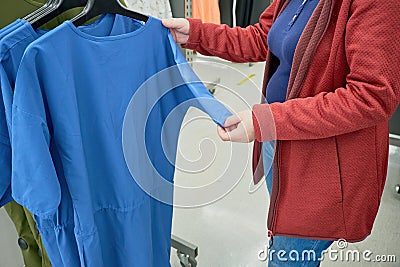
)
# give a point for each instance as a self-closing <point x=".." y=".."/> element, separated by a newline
<point x="5" y="146"/>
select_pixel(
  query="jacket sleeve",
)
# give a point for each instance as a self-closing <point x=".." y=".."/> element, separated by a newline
<point x="370" y="95"/>
<point x="34" y="180"/>
<point x="234" y="44"/>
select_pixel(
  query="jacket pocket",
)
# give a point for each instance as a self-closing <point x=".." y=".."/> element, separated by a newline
<point x="311" y="191"/>
<point x="339" y="176"/>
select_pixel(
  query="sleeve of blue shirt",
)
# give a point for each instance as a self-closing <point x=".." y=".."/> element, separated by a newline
<point x="204" y="100"/>
<point x="34" y="181"/>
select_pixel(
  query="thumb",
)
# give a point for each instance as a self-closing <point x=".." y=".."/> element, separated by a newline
<point x="223" y="134"/>
<point x="170" y="23"/>
<point x="167" y="23"/>
<point x="232" y="120"/>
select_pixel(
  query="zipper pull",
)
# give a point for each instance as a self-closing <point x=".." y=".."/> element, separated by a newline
<point x="270" y="239"/>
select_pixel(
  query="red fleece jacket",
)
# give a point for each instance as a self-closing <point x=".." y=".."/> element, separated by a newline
<point x="332" y="149"/>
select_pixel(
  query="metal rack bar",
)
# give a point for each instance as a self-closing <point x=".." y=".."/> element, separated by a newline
<point x="188" y="14"/>
<point x="394" y="140"/>
<point x="185" y="247"/>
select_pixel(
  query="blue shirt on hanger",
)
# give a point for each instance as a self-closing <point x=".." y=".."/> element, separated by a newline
<point x="73" y="89"/>
<point x="57" y="232"/>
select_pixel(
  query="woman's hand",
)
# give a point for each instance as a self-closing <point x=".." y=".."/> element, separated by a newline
<point x="239" y="128"/>
<point x="179" y="29"/>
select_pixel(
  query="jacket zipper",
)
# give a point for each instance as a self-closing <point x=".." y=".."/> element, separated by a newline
<point x="276" y="182"/>
<point x="275" y="193"/>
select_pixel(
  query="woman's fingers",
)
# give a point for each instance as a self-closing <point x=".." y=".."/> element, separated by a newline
<point x="223" y="134"/>
<point x="238" y="128"/>
<point x="179" y="28"/>
<point x="233" y="120"/>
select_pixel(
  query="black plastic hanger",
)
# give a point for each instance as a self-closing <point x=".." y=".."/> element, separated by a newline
<point x="40" y="10"/>
<point x="60" y="7"/>
<point x="98" y="7"/>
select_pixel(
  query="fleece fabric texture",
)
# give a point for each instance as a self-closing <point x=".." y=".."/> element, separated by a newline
<point x="332" y="131"/>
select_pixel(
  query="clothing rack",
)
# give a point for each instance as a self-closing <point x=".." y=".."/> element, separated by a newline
<point x="394" y="136"/>
<point x="188" y="14"/>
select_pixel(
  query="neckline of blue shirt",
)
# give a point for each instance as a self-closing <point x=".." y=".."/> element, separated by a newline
<point x="68" y="24"/>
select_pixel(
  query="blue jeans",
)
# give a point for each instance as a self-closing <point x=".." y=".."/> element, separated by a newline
<point x="290" y="251"/>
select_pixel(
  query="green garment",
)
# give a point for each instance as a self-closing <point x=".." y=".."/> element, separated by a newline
<point x="10" y="10"/>
<point x="29" y="240"/>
